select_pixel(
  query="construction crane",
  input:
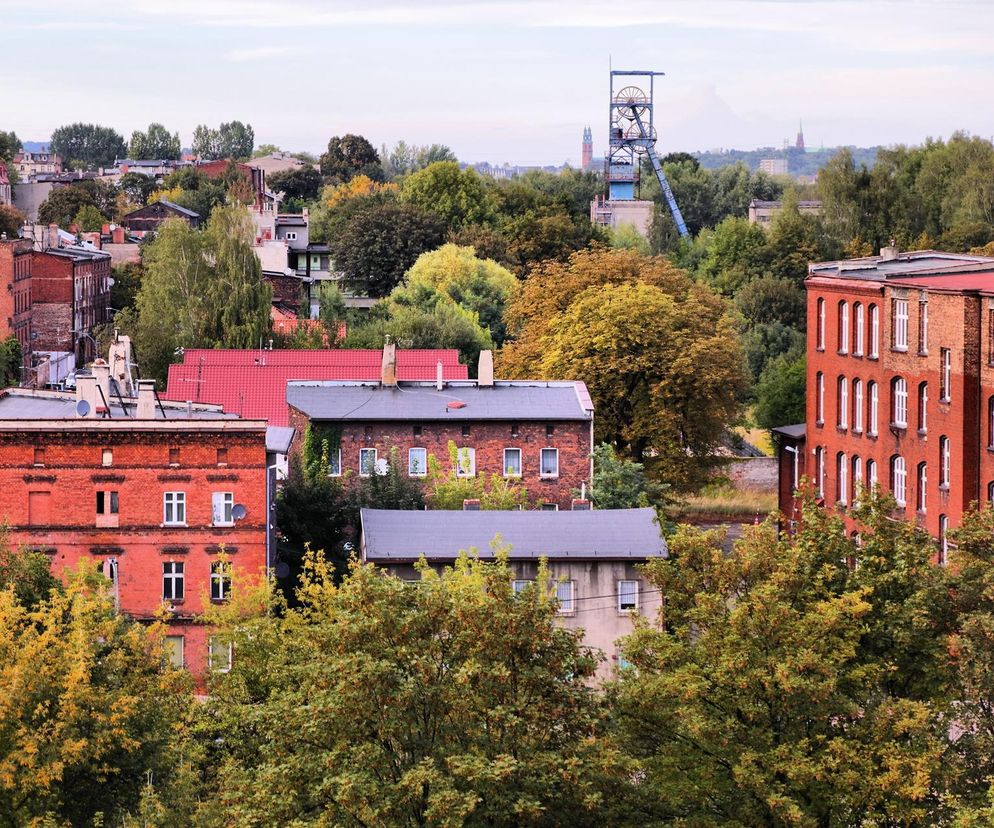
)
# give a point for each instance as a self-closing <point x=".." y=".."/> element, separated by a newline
<point x="632" y="133"/>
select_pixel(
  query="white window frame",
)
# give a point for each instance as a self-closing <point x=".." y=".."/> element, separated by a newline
<point x="842" y="472"/>
<point x="946" y="384"/>
<point x="175" y="577"/>
<point x="859" y="329"/>
<point x="842" y="416"/>
<point x="899" y="479"/>
<point x="820" y="471"/>
<point x="900" y="316"/>
<point x="820" y="398"/>
<point x="422" y="470"/>
<point x="923" y="323"/>
<point x="873" y="420"/>
<point x="843" y="327"/>
<point x="541" y="463"/>
<point x="549" y="507"/>
<point x="222" y="506"/>
<point x="871" y="473"/>
<point x="335" y="462"/>
<point x="230" y="648"/>
<point x="857" y="406"/>
<point x="945" y="461"/>
<point x="899" y="389"/>
<point x="922" y="505"/>
<point x="220" y="581"/>
<point x="923" y="407"/>
<point x="820" y="326"/>
<point x="175" y="645"/>
<point x="874" y="349"/>
<point x="857" y="478"/>
<point x="508" y="451"/>
<point x="175" y="503"/>
<point x="566" y="595"/>
<point x="626" y="588"/>
<point x="465" y="461"/>
<point x="519" y="585"/>
<point x="291" y="235"/>
<point x="107" y="457"/>
<point x="943" y="539"/>
<point x="364" y="452"/>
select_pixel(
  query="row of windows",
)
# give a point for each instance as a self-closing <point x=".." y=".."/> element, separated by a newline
<point x="174" y="578"/>
<point x="417" y="462"/>
<point x="898" y="402"/>
<point x="219" y="653"/>
<point x="865" y="328"/>
<point x="107" y="456"/>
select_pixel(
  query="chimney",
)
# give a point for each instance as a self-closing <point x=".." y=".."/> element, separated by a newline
<point x="105" y="229"/>
<point x="86" y="391"/>
<point x="471" y="505"/>
<point x="485" y="376"/>
<point x="579" y="504"/>
<point x="388" y="368"/>
<point x="117" y="235"/>
<point x="889" y="253"/>
<point x="101" y="373"/>
<point x="146" y="400"/>
<point x="53" y="235"/>
<point x="439" y="376"/>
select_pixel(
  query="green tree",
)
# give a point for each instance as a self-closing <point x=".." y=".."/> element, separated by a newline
<point x="348" y="156"/>
<point x="11" y="221"/>
<point x="63" y="205"/>
<point x="620" y="483"/>
<point x="237" y="140"/>
<point x="736" y="254"/>
<point x="10" y="364"/>
<point x="89" y="219"/>
<point x="458" y="197"/>
<point x="406" y="158"/>
<point x="206" y="143"/>
<point x="769" y="300"/>
<point x="381" y="704"/>
<point x="780" y="397"/>
<point x="10" y="145"/>
<point x="765" y="341"/>
<point x="302" y="184"/>
<point x="479" y="285"/>
<point x="376" y="246"/>
<point x="84" y="146"/>
<point x="137" y="187"/>
<point x="155" y="143"/>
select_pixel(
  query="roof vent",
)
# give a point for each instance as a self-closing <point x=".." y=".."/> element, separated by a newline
<point x="471" y="505"/>
<point x="580" y="505"/>
<point x="455" y="404"/>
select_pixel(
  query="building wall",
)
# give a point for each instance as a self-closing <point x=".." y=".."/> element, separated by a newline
<point x="614" y="213"/>
<point x="488" y="438"/>
<point x="71" y="471"/>
<point x="75" y="287"/>
<point x="29" y="195"/>
<point x="15" y="291"/>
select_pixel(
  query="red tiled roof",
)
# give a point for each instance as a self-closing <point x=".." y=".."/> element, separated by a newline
<point x="252" y="383"/>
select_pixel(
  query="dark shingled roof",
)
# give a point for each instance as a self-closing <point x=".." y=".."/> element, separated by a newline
<point x="795" y="431"/>
<point x="505" y="400"/>
<point x="600" y="534"/>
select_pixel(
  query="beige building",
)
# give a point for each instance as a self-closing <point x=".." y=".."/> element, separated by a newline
<point x="773" y="166"/>
<point x="593" y="559"/>
<point x="762" y="212"/>
<point x="276" y="162"/>
<point x="614" y="213"/>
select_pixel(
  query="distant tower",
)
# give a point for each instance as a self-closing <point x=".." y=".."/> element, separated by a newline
<point x="799" y="143"/>
<point x="587" y="153"/>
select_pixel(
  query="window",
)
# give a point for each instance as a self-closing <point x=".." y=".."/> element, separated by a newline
<point x="222" y="504"/>
<point x="857" y="406"/>
<point x="946" y="378"/>
<point x="899" y="317"/>
<point x="512" y="462"/>
<point x="417" y="462"/>
<point x="335" y="461"/>
<point x="857" y="478"/>
<point x="923" y="407"/>
<point x="820" y="399"/>
<point x="417" y="430"/>
<point x="219" y="654"/>
<point x="923" y="323"/>
<point x="466" y="462"/>
<point x="107" y="457"/>
<point x="107" y="503"/>
<point x="820" y="326"/>
<point x="871" y="474"/>
<point x="519" y="585"/>
<point x="871" y="420"/>
<point x="842" y="415"/>
<point x="843" y="328"/>
<point x="550" y="463"/>
<point x="172" y="581"/>
<point x="549" y="507"/>
<point x="899" y="404"/>
<point x="515" y="430"/>
<point x="990" y="492"/>
<point x="367" y="432"/>
<point x="859" y="329"/>
<point x="820" y="471"/>
<point x="465" y="431"/>
<point x="174" y="650"/>
<point x="841" y="479"/>
<point x="39" y="457"/>
<point x="628" y="596"/>
<point x="922" y="487"/>
<point x="874" y="349"/>
<point x="945" y="456"/>
<point x="291" y="235"/>
<point x="220" y="581"/>
<point x="550" y="431"/>
<point x="943" y="539"/>
<point x="174" y="508"/>
<point x="899" y="479"/>
<point x="222" y="457"/>
<point x="990" y="422"/>
<point x="367" y="461"/>
<point x="174" y="457"/>
<point x="566" y="594"/>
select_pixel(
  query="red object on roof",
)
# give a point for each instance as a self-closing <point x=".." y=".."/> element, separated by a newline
<point x="252" y="383"/>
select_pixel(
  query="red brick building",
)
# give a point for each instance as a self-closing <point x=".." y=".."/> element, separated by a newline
<point x="150" y="494"/>
<point x="537" y="434"/>
<point x="900" y="385"/>
<point x="70" y="294"/>
<point x="15" y="291"/>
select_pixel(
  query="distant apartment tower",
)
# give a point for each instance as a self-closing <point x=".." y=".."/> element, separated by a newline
<point x="773" y="166"/>
<point x="587" y="151"/>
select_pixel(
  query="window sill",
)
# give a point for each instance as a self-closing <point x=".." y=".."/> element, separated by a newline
<point x="173" y="525"/>
<point x="922" y="432"/>
<point x="944" y="487"/>
<point x="842" y="353"/>
<point x="548" y="477"/>
<point x="217" y="600"/>
<point x="898" y="427"/>
<point x="512" y="476"/>
<point x="173" y="601"/>
<point x="841" y="429"/>
<point x="417" y="476"/>
<point x="223" y="525"/>
<point x="624" y="612"/>
<point x="857" y="356"/>
<point x="819" y="423"/>
<point x="897" y="350"/>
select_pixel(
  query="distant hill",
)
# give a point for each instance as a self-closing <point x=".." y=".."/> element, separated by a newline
<point x="799" y="162"/>
<point x="35" y="146"/>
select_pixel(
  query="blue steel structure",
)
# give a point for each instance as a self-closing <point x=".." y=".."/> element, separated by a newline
<point x="631" y="133"/>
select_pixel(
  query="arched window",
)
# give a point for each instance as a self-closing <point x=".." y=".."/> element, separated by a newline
<point x="857" y="406"/>
<point x="871" y="474"/>
<point x="859" y="329"/>
<point x="841" y="478"/>
<point x="874" y="349"/>
<point x="899" y="402"/>
<point x="857" y="478"/>
<point x="923" y="407"/>
<point x="843" y="328"/>
<point x="943" y="539"/>
<point x="820" y="326"/>
<point x="922" y="487"/>
<point x="820" y="398"/>
<point x="990" y="492"/>
<point x="820" y="471"/>
<point x="945" y="458"/>
<point x="990" y="422"/>
<point x="874" y="408"/>
<point x="899" y="317"/>
<point x="842" y="414"/>
<point x="899" y="479"/>
<point x="946" y="377"/>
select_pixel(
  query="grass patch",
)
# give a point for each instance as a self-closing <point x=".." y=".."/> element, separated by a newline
<point x="722" y="500"/>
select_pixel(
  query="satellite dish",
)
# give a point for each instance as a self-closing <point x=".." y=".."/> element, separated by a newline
<point x="82" y="408"/>
<point x="238" y="511"/>
<point x="282" y="569"/>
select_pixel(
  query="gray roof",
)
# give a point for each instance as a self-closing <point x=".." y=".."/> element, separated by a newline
<point x="914" y="263"/>
<point x="505" y="400"/>
<point x="24" y="404"/>
<point x="179" y="209"/>
<point x="796" y="431"/>
<point x="278" y="439"/>
<point x="599" y="534"/>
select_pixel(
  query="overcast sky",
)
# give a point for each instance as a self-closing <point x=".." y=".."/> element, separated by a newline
<point x="510" y="80"/>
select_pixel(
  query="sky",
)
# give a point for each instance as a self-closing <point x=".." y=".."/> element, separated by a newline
<point x="508" y="80"/>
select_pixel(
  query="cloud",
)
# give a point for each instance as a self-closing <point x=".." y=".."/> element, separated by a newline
<point x="258" y="53"/>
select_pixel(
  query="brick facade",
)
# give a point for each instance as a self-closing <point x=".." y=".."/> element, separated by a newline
<point x="70" y="284"/>
<point x="52" y="471"/>
<point x="15" y="291"/>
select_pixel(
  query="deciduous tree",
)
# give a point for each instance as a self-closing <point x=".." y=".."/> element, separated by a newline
<point x="348" y="156"/>
<point x="458" y="197"/>
<point x="63" y="204"/>
<point x="85" y="146"/>
<point x="154" y="143"/>
<point x="302" y="184"/>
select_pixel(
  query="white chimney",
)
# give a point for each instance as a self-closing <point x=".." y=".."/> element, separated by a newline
<point x="890" y="252"/>
<point x="101" y="371"/>
<point x="485" y="376"/>
<point x="146" y="400"/>
<point x="388" y="368"/>
<point x="86" y="392"/>
<point x="439" y="376"/>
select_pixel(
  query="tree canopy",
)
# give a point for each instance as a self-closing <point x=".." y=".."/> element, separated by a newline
<point x="230" y="140"/>
<point x="154" y="144"/>
<point x="63" y="205"/>
<point x="458" y="197"/>
<point x="84" y="146"/>
<point x="348" y="156"/>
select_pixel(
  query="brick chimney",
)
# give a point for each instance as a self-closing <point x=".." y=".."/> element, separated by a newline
<point x="388" y="367"/>
<point x="889" y="253"/>
<point x="485" y="376"/>
<point x="146" y="400"/>
<point x="117" y="235"/>
<point x="53" y="235"/>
